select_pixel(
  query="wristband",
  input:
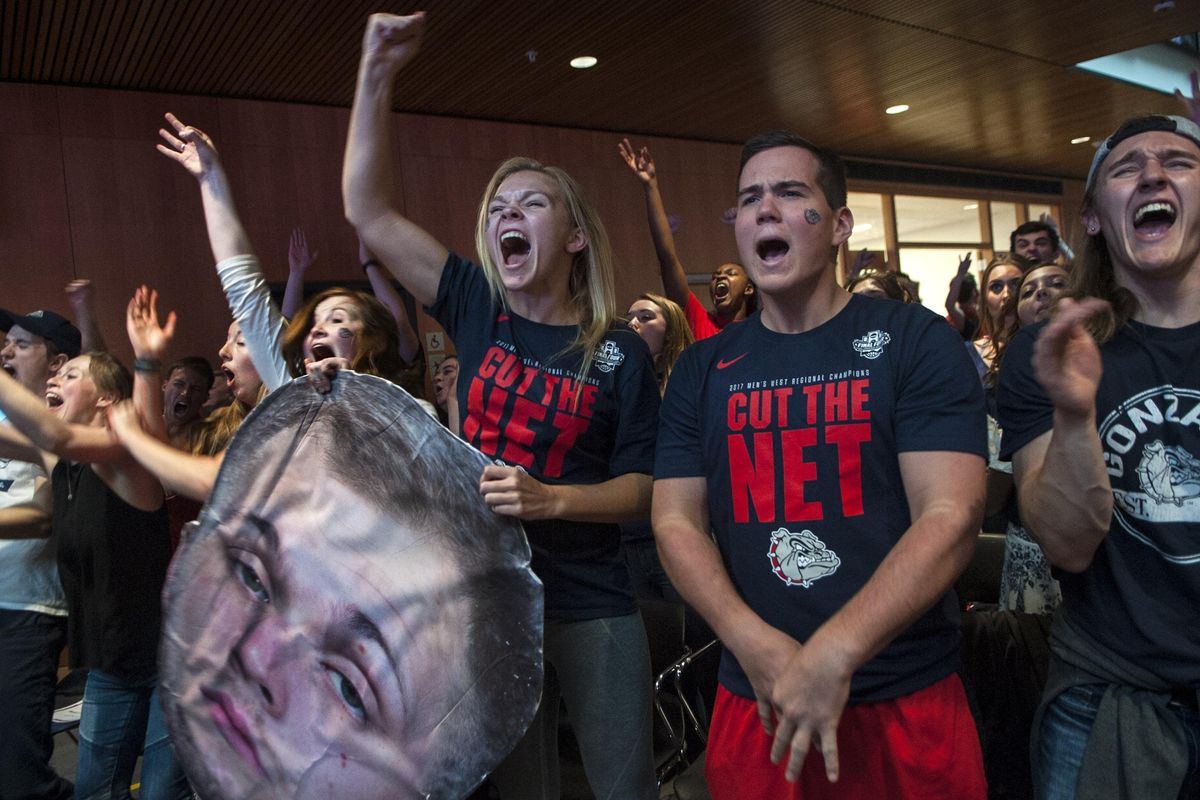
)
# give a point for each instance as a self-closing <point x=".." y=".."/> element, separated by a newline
<point x="147" y="365"/>
<point x="370" y="262"/>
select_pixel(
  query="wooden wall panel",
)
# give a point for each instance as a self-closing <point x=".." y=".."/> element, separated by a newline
<point x="35" y="251"/>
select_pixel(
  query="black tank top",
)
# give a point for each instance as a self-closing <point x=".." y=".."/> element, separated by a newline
<point x="112" y="560"/>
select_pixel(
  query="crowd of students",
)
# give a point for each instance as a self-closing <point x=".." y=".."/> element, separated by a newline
<point x="816" y="460"/>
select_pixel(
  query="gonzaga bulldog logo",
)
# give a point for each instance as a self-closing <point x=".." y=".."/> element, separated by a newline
<point x="609" y="356"/>
<point x="798" y="559"/>
<point x="1150" y="449"/>
<point x="870" y="345"/>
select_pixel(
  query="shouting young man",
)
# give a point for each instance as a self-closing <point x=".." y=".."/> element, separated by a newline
<point x="835" y="445"/>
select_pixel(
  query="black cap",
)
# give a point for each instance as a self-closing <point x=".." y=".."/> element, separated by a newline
<point x="48" y="325"/>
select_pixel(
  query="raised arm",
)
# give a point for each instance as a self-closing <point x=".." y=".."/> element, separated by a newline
<point x="412" y="255"/>
<point x="81" y="298"/>
<point x="179" y="472"/>
<point x="956" y="315"/>
<point x="674" y="278"/>
<point x="150" y="341"/>
<point x="385" y="292"/>
<point x="237" y="267"/>
<point x="300" y="258"/>
<point x="192" y="149"/>
<point x="1063" y="489"/>
<point x="27" y="412"/>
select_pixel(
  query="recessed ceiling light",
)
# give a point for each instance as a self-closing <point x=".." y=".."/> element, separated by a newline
<point x="1081" y="139"/>
<point x="970" y="206"/>
<point x="862" y="226"/>
<point x="900" y="109"/>
<point x="583" y="62"/>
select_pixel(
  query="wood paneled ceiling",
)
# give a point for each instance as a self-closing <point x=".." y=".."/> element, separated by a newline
<point x="990" y="82"/>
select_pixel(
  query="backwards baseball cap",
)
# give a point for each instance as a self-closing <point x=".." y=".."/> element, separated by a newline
<point x="48" y="325"/>
<point x="1171" y="124"/>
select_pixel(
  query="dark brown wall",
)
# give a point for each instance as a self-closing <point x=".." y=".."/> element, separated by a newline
<point x="84" y="193"/>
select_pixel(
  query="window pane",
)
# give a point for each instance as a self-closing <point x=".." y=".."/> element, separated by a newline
<point x="1004" y="222"/>
<point x="868" y="221"/>
<point x="1037" y="209"/>
<point x="933" y="269"/>
<point x="937" y="219"/>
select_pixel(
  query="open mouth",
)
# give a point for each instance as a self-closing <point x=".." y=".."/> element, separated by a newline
<point x="771" y="249"/>
<point x="10" y="369"/>
<point x="53" y="399"/>
<point x="321" y="351"/>
<point x="1154" y="219"/>
<point x="720" y="291"/>
<point x="180" y="409"/>
<point x="513" y="247"/>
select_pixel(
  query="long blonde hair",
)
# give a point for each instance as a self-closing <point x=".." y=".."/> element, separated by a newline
<point x="591" y="280"/>
<point x="678" y="336"/>
<point x="213" y="434"/>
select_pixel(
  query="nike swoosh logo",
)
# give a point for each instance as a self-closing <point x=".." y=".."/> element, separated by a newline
<point x="722" y="364"/>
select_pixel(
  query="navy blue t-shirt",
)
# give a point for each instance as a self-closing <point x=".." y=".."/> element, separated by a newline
<point x="517" y="388"/>
<point x="798" y="436"/>
<point x="1140" y="594"/>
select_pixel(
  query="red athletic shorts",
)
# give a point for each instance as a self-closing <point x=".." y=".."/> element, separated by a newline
<point x="922" y="746"/>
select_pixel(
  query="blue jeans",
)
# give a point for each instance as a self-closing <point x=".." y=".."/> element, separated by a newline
<point x="603" y="672"/>
<point x="1066" y="726"/>
<point x="120" y="720"/>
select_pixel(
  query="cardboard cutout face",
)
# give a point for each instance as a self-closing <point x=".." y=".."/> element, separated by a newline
<point x="348" y="618"/>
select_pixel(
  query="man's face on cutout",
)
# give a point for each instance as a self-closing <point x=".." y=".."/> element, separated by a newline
<point x="316" y="643"/>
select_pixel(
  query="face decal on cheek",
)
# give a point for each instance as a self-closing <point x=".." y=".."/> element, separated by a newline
<point x="345" y="333"/>
<point x="812" y="216"/>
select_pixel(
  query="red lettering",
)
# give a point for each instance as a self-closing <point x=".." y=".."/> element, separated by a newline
<point x="569" y="427"/>
<point x="735" y="411"/>
<point x="859" y="398"/>
<point x="487" y="368"/>
<point x="527" y="376"/>
<point x="781" y="407"/>
<point x="566" y="395"/>
<point x="755" y="478"/>
<point x="482" y="425"/>
<point x="811" y="392"/>
<point x="551" y="384"/>
<point x="508" y="371"/>
<point x="517" y="434"/>
<point x="849" y="439"/>
<point x="796" y="473"/>
<point x="760" y="410"/>
<point x="836" y="399"/>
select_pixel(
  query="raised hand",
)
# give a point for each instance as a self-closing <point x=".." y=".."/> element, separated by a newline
<point x="190" y="147"/>
<point x="1066" y="359"/>
<point x="80" y="296"/>
<point x="390" y="41"/>
<point x="638" y="161"/>
<point x="300" y="258"/>
<point x="149" y="339"/>
<point x="964" y="264"/>
<point x="1192" y="104"/>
